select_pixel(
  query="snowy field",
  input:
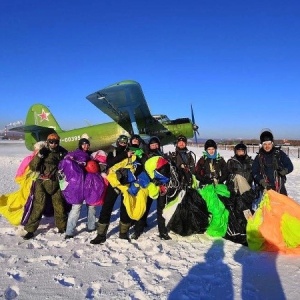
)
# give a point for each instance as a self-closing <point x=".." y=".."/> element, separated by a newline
<point x="197" y="267"/>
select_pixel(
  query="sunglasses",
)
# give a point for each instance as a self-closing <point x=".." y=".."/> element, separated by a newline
<point x="56" y="142"/>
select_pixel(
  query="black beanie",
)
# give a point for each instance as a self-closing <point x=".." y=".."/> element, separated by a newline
<point x="240" y="146"/>
<point x="83" y="141"/>
<point x="135" y="137"/>
<point x="154" y="140"/>
<point x="266" y="136"/>
<point x="210" y="143"/>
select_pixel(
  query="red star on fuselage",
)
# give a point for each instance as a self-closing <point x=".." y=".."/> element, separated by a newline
<point x="44" y="115"/>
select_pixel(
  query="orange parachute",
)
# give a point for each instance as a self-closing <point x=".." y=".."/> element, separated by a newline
<point x="275" y="226"/>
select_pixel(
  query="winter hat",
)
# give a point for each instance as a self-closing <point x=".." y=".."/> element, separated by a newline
<point x="240" y="146"/>
<point x="266" y="136"/>
<point x="135" y="137"/>
<point x="154" y="140"/>
<point x="209" y="144"/>
<point x="83" y="141"/>
<point x="181" y="138"/>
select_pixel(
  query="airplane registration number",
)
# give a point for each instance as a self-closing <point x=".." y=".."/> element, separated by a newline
<point x="71" y="139"/>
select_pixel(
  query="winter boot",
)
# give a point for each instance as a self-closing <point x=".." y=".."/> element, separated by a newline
<point x="135" y="236"/>
<point x="28" y="236"/>
<point x="101" y="234"/>
<point x="164" y="236"/>
<point x="124" y="228"/>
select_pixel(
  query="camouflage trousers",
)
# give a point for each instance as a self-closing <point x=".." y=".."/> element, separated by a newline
<point x="47" y="190"/>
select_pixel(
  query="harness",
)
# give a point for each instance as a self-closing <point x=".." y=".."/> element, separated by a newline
<point x="276" y="162"/>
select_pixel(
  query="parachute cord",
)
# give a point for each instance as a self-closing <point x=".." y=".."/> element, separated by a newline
<point x="174" y="182"/>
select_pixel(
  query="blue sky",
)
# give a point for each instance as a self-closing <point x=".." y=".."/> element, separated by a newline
<point x="237" y="62"/>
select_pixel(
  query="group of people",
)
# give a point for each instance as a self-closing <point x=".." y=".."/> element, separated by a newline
<point x="140" y="172"/>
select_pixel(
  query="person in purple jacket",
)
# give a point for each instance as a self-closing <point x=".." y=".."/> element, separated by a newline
<point x="82" y="159"/>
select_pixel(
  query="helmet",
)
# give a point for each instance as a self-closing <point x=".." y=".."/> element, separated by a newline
<point x="210" y="144"/>
<point x="181" y="138"/>
<point x="240" y="146"/>
<point x="266" y="136"/>
<point x="83" y="141"/>
<point x="92" y="167"/>
<point x="122" y="139"/>
<point x="53" y="136"/>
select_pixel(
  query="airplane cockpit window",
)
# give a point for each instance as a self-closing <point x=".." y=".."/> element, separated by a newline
<point x="161" y="118"/>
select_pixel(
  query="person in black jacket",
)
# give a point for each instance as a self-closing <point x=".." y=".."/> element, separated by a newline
<point x="120" y="153"/>
<point x="184" y="160"/>
<point x="271" y="165"/>
<point x="241" y="164"/>
<point x="211" y="168"/>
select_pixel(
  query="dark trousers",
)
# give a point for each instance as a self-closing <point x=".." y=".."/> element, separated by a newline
<point x="160" y="204"/>
<point x="111" y="197"/>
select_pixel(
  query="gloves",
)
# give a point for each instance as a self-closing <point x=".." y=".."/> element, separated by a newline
<point x="133" y="189"/>
<point x="283" y="172"/>
<point x="43" y="152"/>
<point x="264" y="184"/>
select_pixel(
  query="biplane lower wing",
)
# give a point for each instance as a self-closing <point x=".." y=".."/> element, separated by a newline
<point x="125" y="103"/>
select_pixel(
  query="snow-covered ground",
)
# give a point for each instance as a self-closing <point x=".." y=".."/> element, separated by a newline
<point x="197" y="267"/>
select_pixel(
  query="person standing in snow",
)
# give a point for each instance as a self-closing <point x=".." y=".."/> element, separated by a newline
<point x="119" y="154"/>
<point x="184" y="160"/>
<point x="47" y="186"/>
<point x="271" y="165"/>
<point x="84" y="154"/>
<point x="154" y="149"/>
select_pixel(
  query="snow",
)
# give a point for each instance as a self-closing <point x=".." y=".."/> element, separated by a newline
<point x="196" y="267"/>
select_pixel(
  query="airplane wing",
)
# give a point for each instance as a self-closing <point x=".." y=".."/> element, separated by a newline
<point x="125" y="103"/>
<point x="29" y="128"/>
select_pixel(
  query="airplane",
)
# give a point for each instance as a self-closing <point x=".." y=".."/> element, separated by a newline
<point x="125" y="103"/>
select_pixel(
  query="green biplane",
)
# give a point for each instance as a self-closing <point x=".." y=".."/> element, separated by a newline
<point x="125" y="103"/>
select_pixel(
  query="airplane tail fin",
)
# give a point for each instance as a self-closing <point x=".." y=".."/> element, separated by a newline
<point x="38" y="125"/>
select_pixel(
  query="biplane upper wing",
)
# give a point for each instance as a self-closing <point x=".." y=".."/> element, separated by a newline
<point x="125" y="103"/>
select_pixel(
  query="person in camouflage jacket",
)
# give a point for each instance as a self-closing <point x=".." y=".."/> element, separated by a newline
<point x="47" y="186"/>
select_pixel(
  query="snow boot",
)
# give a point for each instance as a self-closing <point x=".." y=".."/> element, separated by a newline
<point x="164" y="236"/>
<point x="135" y="236"/>
<point x="124" y="228"/>
<point x="101" y="234"/>
<point x="28" y="236"/>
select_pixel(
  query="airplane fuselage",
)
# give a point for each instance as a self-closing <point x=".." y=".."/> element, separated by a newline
<point x="103" y="136"/>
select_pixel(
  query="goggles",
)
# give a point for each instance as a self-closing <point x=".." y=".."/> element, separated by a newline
<point x="123" y="140"/>
<point x="267" y="143"/>
<point x="182" y="138"/>
<point x="56" y="142"/>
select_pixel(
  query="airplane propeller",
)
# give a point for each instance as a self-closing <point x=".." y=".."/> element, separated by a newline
<point x="195" y="127"/>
